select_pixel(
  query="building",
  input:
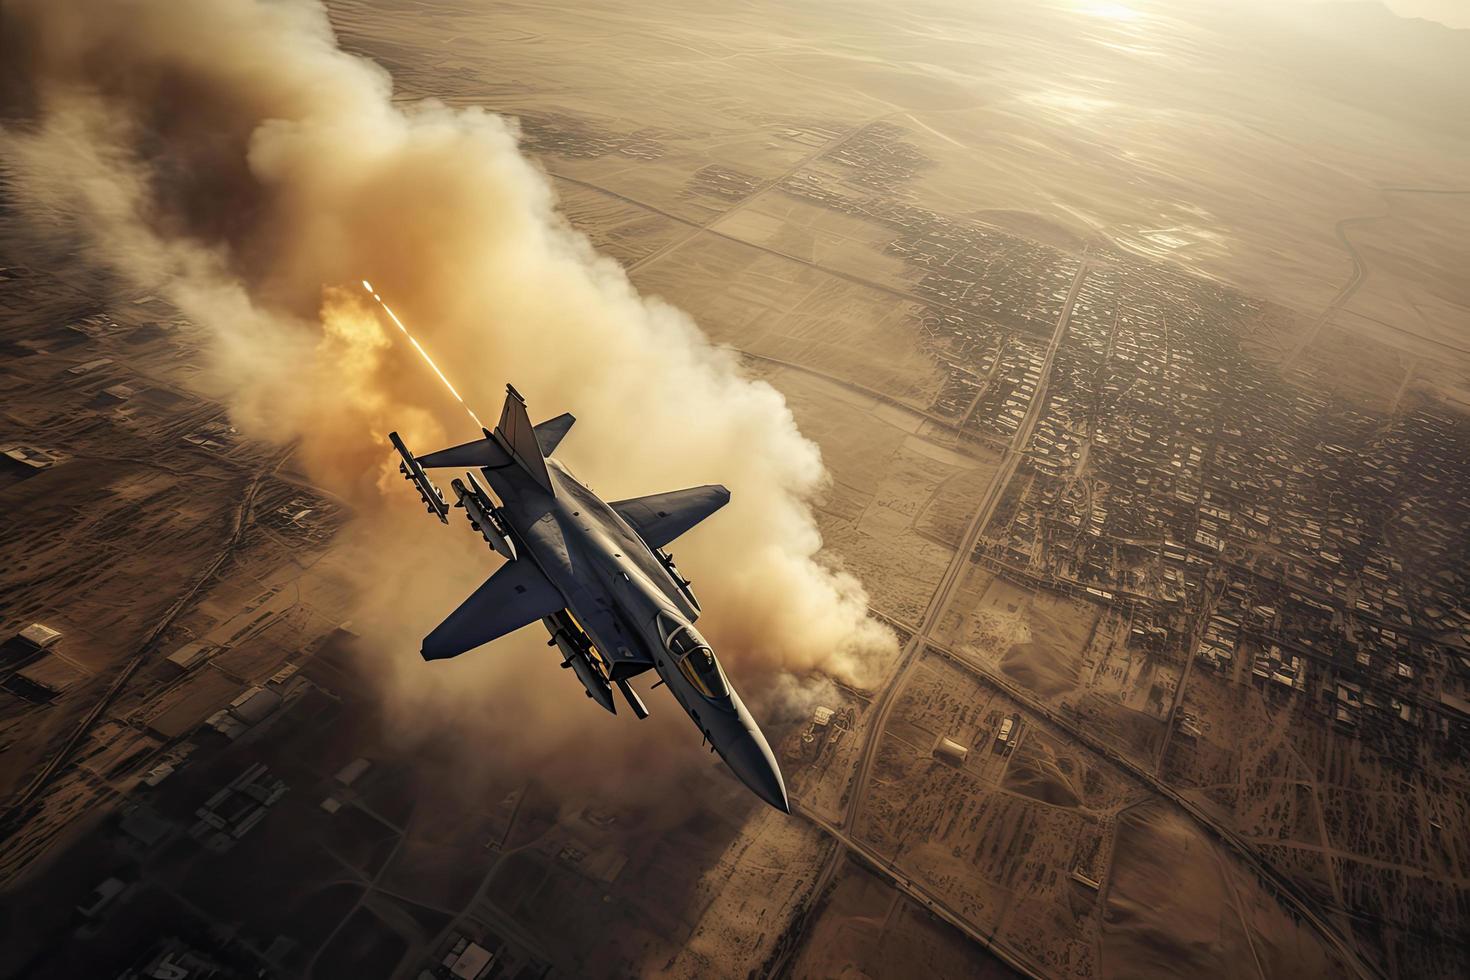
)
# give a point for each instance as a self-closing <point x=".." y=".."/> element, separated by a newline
<point x="192" y="654"/>
<point x="948" y="750"/>
<point x="236" y="808"/>
<point x="818" y="728"/>
<point x="158" y="774"/>
<point x="176" y="960"/>
<point x="40" y="635"/>
<point x="102" y="896"/>
<point x="255" y="705"/>
<point x="24" y="461"/>
<point x="465" y="960"/>
<point x="350" y="773"/>
<point x="1004" y="732"/>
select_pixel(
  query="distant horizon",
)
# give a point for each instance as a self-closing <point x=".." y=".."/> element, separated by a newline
<point x="1454" y="14"/>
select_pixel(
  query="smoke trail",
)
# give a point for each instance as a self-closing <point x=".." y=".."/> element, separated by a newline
<point x="423" y="354"/>
<point x="229" y="155"/>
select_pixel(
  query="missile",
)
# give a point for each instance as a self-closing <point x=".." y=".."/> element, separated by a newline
<point x="597" y="688"/>
<point x="482" y="517"/>
<point x="432" y="497"/>
<point x="576" y="654"/>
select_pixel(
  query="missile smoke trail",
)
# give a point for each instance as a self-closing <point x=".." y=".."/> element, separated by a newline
<point x="422" y="353"/>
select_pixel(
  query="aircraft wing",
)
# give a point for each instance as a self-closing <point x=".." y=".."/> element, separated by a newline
<point x="481" y="452"/>
<point x="661" y="517"/>
<point x="517" y="595"/>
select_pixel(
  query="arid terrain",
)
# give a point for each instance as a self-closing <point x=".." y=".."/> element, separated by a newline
<point x="1135" y="338"/>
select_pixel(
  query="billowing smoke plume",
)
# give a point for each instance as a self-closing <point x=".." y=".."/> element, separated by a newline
<point x="228" y="154"/>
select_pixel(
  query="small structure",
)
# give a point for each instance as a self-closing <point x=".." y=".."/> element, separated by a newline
<point x="255" y="705"/>
<point x="350" y="773"/>
<point x="26" y="646"/>
<point x="227" y="724"/>
<point x="1189" y="726"/>
<point x="1004" y="732"/>
<point x="174" y="958"/>
<point x="232" y="812"/>
<point x="950" y="751"/>
<point x="89" y="366"/>
<point x="468" y="961"/>
<point x="40" y="635"/>
<point x="145" y="828"/>
<point x="158" y="774"/>
<point x="26" y="461"/>
<point x="192" y="654"/>
<point x="283" y="675"/>
<point x="821" y="719"/>
<point x="102" y="896"/>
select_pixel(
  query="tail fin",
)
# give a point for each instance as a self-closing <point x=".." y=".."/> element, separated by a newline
<point x="550" y="433"/>
<point x="518" y="436"/>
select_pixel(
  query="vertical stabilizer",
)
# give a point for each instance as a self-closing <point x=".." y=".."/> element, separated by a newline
<point x="518" y="436"/>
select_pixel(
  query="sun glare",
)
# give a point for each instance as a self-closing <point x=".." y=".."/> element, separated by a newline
<point x="1110" y="11"/>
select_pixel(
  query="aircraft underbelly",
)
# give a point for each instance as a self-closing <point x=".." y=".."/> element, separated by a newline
<point x="583" y="565"/>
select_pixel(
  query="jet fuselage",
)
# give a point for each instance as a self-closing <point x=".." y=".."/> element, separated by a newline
<point x="632" y="609"/>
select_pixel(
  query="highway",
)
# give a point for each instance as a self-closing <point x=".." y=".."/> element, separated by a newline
<point x="939" y="603"/>
<point x="880" y="709"/>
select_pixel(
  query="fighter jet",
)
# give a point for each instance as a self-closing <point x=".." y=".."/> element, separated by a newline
<point x="596" y="575"/>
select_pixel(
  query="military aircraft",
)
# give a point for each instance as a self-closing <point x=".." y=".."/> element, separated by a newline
<point x="595" y="574"/>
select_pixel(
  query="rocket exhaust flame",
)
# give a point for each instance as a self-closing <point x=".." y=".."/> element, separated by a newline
<point x="422" y="353"/>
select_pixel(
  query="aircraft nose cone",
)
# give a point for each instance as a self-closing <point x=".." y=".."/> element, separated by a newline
<point x="751" y="759"/>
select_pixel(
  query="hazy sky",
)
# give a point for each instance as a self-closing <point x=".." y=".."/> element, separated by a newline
<point x="1452" y="13"/>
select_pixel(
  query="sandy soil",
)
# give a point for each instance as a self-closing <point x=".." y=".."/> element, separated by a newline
<point x="1174" y="908"/>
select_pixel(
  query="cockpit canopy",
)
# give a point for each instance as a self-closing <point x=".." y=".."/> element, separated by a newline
<point x="694" y="657"/>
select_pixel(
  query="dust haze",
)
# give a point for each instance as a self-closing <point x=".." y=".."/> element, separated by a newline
<point x="230" y="157"/>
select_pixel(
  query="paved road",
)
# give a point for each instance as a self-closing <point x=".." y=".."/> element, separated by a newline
<point x="920" y="895"/>
<point x="881" y="708"/>
<point x="961" y="560"/>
